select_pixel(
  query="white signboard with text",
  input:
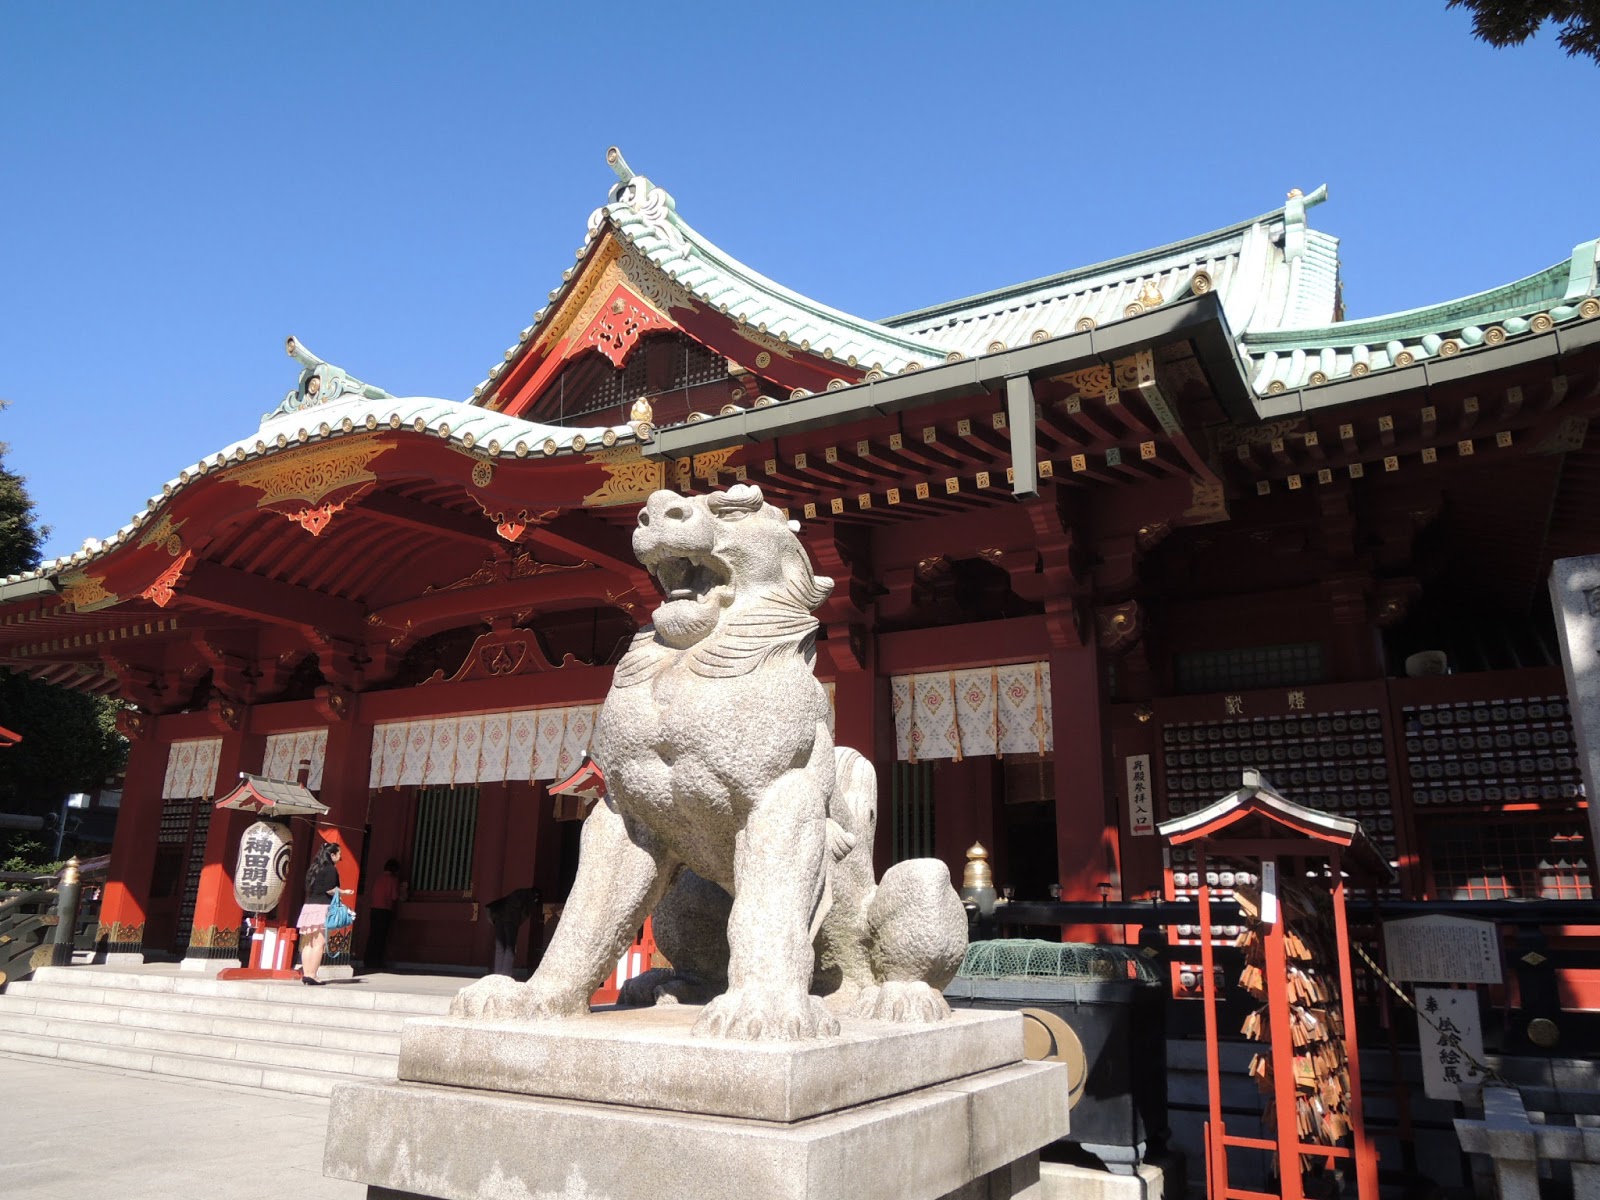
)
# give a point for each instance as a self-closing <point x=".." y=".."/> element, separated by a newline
<point x="1440" y="949"/>
<point x="1451" y="1038"/>
<point x="1141" y="798"/>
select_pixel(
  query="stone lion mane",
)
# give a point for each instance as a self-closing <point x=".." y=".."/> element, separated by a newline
<point x="731" y="815"/>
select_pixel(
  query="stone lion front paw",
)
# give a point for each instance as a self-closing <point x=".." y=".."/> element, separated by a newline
<point x="662" y="985"/>
<point x="910" y="1003"/>
<point x="501" y="998"/>
<point x="751" y="1015"/>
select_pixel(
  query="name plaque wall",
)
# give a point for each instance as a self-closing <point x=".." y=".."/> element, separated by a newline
<point x="1440" y="949"/>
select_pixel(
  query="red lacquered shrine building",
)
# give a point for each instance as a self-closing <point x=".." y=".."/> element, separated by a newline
<point x="1099" y="540"/>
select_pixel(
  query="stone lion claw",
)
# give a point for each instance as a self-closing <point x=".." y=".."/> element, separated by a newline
<point x="905" y="1001"/>
<point x="501" y="998"/>
<point x="752" y="1015"/>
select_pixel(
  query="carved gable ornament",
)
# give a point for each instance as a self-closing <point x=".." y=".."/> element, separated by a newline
<point x="311" y="484"/>
<point x="630" y="477"/>
<point x="86" y="593"/>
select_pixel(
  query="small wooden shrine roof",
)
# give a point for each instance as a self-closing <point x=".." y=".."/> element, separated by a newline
<point x="272" y="798"/>
<point x="1256" y="810"/>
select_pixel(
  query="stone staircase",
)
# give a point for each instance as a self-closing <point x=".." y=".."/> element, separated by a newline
<point x="278" y="1036"/>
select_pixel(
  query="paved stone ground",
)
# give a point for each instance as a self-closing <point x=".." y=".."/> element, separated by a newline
<point x="74" y="1130"/>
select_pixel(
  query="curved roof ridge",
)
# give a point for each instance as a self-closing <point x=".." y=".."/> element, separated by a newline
<point x="645" y="216"/>
<point x="465" y="425"/>
<point x="1546" y="286"/>
<point x="1121" y="263"/>
<point x="1281" y="360"/>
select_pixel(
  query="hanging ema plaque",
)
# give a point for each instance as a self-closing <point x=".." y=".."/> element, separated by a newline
<point x="263" y="866"/>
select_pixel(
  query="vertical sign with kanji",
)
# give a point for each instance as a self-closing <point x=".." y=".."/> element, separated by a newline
<point x="1451" y="1038"/>
<point x="263" y="866"/>
<point x="1141" y="805"/>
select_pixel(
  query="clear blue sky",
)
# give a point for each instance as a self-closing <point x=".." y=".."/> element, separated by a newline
<point x="400" y="184"/>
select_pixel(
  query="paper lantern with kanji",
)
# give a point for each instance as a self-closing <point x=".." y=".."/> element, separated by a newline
<point x="263" y="866"/>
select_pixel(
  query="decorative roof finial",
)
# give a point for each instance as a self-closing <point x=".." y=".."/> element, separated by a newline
<point x="1295" y="193"/>
<point x="617" y="163"/>
<point x="320" y="383"/>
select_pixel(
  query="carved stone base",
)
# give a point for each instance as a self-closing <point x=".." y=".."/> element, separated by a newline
<point x="972" y="1134"/>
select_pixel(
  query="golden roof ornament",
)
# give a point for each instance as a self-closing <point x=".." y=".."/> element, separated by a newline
<point x="641" y="411"/>
<point x="1150" y="295"/>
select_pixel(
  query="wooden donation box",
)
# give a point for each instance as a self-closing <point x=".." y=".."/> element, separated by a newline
<point x="259" y="878"/>
<point x="1297" y="966"/>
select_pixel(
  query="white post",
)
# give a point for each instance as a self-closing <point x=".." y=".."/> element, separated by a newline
<point x="1575" y="596"/>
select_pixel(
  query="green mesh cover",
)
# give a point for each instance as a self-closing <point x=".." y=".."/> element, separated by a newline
<point x="1029" y="958"/>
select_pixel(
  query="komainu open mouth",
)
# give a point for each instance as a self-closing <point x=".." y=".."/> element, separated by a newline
<point x="691" y="578"/>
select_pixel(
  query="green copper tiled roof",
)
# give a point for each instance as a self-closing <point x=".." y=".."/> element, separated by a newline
<point x="1270" y="271"/>
<point x="464" y="425"/>
<point x="645" y="217"/>
<point x="1284" y="359"/>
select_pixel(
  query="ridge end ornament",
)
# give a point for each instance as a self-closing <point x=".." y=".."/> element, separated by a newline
<point x="320" y="383"/>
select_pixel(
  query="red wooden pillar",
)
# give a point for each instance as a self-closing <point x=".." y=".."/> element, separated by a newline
<point x="488" y="866"/>
<point x="133" y="849"/>
<point x="346" y="772"/>
<point x="214" y="935"/>
<point x="1080" y="786"/>
<point x="346" y="775"/>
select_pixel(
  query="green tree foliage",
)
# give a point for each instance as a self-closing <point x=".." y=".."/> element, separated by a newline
<point x="19" y="536"/>
<point x="1513" y="22"/>
<point x="69" y="740"/>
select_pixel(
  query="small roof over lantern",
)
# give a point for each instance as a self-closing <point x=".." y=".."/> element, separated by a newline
<point x="272" y="798"/>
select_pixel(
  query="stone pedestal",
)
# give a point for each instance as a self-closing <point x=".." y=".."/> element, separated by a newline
<point x="1516" y="1148"/>
<point x="628" y="1104"/>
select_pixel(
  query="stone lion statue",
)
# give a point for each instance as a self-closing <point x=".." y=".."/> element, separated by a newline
<point x="730" y="814"/>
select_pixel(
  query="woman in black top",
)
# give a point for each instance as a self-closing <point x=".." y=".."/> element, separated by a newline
<point x="322" y="881"/>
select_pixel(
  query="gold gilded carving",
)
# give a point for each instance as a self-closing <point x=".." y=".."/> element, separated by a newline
<point x="662" y="292"/>
<point x="630" y="477"/>
<point x="163" y="532"/>
<point x="1207" y="503"/>
<point x="1091" y="381"/>
<point x="579" y="305"/>
<point x="760" y="338"/>
<point x="1257" y="435"/>
<point x="87" y="592"/>
<point x="122" y="933"/>
<point x="209" y="937"/>
<point x="612" y="265"/>
<point x="708" y="464"/>
<point x="311" y="473"/>
<point x="496" y="570"/>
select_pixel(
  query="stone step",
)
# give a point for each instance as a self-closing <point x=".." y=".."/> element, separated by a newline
<point x="291" y="1006"/>
<point x="187" y="1066"/>
<point x="211" y="1048"/>
<point x="250" y="1027"/>
<point x="353" y="995"/>
<point x="274" y="1035"/>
